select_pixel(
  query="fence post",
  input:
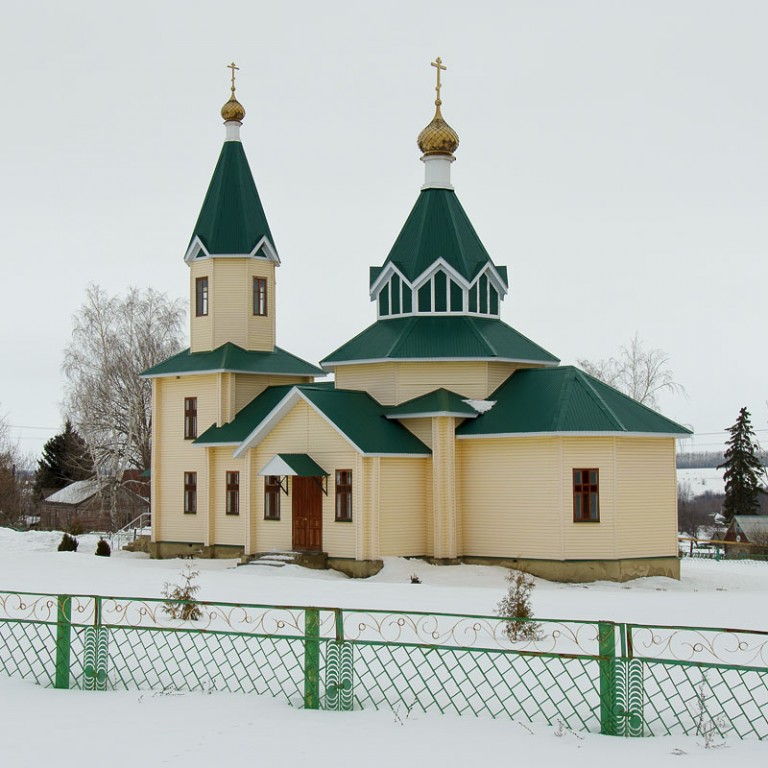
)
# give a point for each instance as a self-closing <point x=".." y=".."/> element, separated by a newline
<point x="95" y="652"/>
<point x="312" y="658"/>
<point x="63" y="640"/>
<point x="607" y="649"/>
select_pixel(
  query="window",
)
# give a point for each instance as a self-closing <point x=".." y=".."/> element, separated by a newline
<point x="201" y="296"/>
<point x="190" y="418"/>
<point x="190" y="493"/>
<point x="586" y="503"/>
<point x="272" y="497"/>
<point x="233" y="493"/>
<point x="260" y="296"/>
<point x="343" y="495"/>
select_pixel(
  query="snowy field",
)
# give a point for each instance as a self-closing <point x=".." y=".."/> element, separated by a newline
<point x="194" y="729"/>
<point x="701" y="480"/>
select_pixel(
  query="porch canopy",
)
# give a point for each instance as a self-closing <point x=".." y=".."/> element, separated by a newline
<point x="294" y="464"/>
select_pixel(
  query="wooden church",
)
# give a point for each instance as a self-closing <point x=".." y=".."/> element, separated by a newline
<point x="445" y="434"/>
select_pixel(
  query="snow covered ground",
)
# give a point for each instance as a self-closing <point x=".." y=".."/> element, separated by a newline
<point x="701" y="480"/>
<point x="194" y="729"/>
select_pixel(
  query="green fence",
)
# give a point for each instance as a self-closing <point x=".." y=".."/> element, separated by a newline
<point x="618" y="679"/>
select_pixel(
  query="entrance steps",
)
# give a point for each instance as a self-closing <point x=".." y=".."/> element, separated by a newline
<point x="281" y="558"/>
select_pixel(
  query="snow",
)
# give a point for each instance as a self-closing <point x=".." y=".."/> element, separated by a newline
<point x="701" y="480"/>
<point x="75" y="493"/>
<point x="167" y="729"/>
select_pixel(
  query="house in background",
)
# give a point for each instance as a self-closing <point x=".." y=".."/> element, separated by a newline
<point x="445" y="434"/>
<point x="747" y="535"/>
<point x="91" y="505"/>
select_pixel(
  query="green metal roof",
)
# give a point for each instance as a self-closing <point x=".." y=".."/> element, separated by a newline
<point x="441" y="402"/>
<point x="438" y="227"/>
<point x="355" y="414"/>
<point x="230" y="357"/>
<point x="232" y="219"/>
<point x="428" y="337"/>
<point x="561" y="400"/>
<point x="294" y="464"/>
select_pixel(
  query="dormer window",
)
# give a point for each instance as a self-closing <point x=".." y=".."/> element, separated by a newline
<point x="201" y="297"/>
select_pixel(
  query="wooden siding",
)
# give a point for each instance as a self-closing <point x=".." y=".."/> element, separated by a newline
<point x="172" y="455"/>
<point x="303" y="430"/>
<point x="444" y="501"/>
<point x="422" y="428"/>
<point x="403" y="516"/>
<point x="249" y="385"/>
<point x="394" y="383"/>
<point x="517" y="497"/>
<point x="646" y="497"/>
<point x="230" y="304"/>
<point x="227" y="529"/>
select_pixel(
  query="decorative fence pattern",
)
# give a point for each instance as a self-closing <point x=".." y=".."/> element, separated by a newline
<point x="618" y="679"/>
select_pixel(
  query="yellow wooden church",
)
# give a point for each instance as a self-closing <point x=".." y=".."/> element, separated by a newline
<point x="445" y="434"/>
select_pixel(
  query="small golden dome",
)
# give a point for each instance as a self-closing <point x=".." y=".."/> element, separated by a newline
<point x="233" y="110"/>
<point x="438" y="138"/>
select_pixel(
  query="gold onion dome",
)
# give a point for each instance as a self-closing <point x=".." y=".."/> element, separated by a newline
<point x="233" y="109"/>
<point x="438" y="138"/>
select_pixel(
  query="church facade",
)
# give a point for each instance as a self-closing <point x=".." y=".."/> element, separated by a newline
<point x="445" y="433"/>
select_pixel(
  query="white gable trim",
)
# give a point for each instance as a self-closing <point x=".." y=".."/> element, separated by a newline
<point x="197" y="245"/>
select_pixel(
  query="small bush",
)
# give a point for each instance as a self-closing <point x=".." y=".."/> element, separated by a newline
<point x="415" y="578"/>
<point x="103" y="549"/>
<point x="516" y="606"/>
<point x="181" y="603"/>
<point x="68" y="543"/>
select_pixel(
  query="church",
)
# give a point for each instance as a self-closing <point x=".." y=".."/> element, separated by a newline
<point x="445" y="434"/>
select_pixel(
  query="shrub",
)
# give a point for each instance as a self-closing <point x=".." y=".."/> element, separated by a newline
<point x="181" y="603"/>
<point x="103" y="549"/>
<point x="68" y="543"/>
<point x="516" y="606"/>
<point x="415" y="578"/>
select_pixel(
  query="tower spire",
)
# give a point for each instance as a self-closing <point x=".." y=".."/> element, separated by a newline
<point x="438" y="141"/>
<point x="233" y="112"/>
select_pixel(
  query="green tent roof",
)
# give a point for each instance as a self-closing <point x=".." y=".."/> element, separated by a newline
<point x="295" y="464"/>
<point x="440" y="402"/>
<point x="438" y="227"/>
<point x="565" y="400"/>
<point x="230" y="357"/>
<point x="232" y="219"/>
<point x="355" y="414"/>
<point x="430" y="337"/>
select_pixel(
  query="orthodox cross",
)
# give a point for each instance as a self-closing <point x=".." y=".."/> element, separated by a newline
<point x="439" y="65"/>
<point x="233" y="68"/>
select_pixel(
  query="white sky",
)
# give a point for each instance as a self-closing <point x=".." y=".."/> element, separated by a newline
<point x="613" y="156"/>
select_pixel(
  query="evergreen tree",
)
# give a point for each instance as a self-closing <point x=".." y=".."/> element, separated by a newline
<point x="65" y="459"/>
<point x="743" y="470"/>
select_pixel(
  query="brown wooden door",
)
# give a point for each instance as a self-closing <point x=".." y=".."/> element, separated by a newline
<point x="307" y="512"/>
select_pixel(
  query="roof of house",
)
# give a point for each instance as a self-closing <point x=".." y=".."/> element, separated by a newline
<point x="752" y="525"/>
<point x="232" y="219"/>
<point x="355" y="414"/>
<point x="429" y="337"/>
<point x="230" y="357"/>
<point x="565" y="400"/>
<point x="438" y="227"/>
<point x="75" y="493"/>
<point x="441" y="402"/>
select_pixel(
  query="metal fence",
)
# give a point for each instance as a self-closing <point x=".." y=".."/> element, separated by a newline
<point x="619" y="679"/>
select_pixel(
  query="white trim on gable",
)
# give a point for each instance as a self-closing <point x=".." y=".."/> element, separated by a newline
<point x="270" y="252"/>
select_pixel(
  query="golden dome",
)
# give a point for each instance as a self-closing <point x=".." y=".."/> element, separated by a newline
<point x="233" y="110"/>
<point x="438" y="138"/>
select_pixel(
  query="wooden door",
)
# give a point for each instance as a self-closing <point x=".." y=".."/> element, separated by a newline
<point x="307" y="512"/>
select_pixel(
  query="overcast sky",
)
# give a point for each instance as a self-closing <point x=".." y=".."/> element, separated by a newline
<point x="614" y="156"/>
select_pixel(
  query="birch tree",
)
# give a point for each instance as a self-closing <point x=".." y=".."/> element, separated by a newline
<point x="114" y="338"/>
<point x="637" y="371"/>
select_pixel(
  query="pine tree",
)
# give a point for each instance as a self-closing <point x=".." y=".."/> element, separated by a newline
<point x="65" y="459"/>
<point x="743" y="470"/>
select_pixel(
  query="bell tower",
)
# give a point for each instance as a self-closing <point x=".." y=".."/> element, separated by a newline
<point x="231" y="254"/>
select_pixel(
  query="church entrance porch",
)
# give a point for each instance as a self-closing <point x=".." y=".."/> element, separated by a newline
<point x="307" y="513"/>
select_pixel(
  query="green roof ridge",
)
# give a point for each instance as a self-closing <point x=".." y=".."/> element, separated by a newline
<point x="587" y="380"/>
<point x="232" y="218"/>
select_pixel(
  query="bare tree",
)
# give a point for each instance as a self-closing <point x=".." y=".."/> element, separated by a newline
<point x="113" y="340"/>
<point x="638" y="372"/>
<point x="15" y="490"/>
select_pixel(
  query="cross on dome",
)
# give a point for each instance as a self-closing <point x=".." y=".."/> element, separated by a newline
<point x="233" y="111"/>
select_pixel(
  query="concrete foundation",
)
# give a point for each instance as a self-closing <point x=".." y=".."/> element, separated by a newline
<point x="161" y="550"/>
<point x="587" y="570"/>
<point x="356" y="569"/>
